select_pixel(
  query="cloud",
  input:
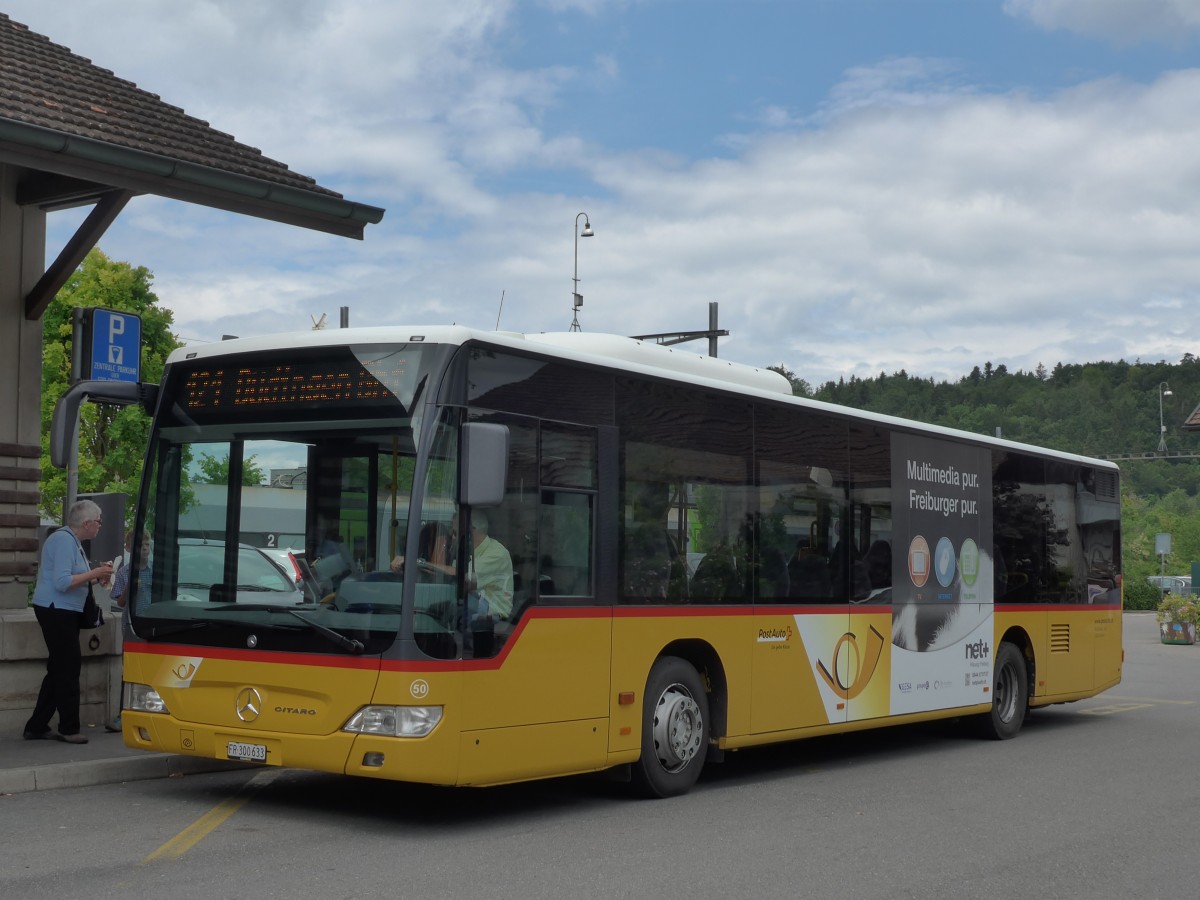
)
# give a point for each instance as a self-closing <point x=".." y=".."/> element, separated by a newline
<point x="909" y="218"/>
<point x="923" y="236"/>
<point x="1010" y="225"/>
<point x="1119" y="21"/>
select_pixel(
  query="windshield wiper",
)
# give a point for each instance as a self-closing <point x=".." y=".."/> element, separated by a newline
<point x="346" y="643"/>
<point x="354" y="645"/>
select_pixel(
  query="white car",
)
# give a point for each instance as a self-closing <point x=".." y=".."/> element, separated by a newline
<point x="259" y="579"/>
<point x="1176" y="584"/>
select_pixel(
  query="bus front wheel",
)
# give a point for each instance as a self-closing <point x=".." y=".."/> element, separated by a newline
<point x="674" y="730"/>
<point x="1010" y="695"/>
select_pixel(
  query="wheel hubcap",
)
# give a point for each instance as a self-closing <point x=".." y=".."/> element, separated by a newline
<point x="677" y="728"/>
<point x="1006" y="693"/>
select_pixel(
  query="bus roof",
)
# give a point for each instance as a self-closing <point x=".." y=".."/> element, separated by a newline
<point x="610" y="350"/>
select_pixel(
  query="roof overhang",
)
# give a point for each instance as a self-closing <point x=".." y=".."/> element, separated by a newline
<point x="1192" y="422"/>
<point x="96" y="167"/>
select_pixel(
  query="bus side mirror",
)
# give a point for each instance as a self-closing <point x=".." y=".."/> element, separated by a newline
<point x="66" y="410"/>
<point x="484" y="464"/>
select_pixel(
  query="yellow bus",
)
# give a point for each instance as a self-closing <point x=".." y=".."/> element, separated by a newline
<point x="530" y="556"/>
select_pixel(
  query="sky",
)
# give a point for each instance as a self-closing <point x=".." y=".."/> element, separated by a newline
<point x="863" y="186"/>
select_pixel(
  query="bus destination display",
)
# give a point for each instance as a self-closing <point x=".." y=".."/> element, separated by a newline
<point x="295" y="385"/>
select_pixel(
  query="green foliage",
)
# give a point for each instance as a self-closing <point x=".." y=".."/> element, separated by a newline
<point x="112" y="440"/>
<point x="1095" y="409"/>
<point x="800" y="387"/>
<point x="1175" y="608"/>
<point x="215" y="470"/>
<point x="1141" y="594"/>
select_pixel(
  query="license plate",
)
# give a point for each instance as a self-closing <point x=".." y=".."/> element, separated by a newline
<point x="248" y="752"/>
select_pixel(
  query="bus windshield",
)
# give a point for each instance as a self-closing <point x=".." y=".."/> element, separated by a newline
<point x="278" y="501"/>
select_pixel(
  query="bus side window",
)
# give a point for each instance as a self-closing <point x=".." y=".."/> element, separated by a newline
<point x="565" y="564"/>
<point x="566" y="518"/>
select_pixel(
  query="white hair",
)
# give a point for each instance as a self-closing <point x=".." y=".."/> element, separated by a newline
<point x="82" y="512"/>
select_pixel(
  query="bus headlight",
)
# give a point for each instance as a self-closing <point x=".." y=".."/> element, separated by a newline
<point x="142" y="698"/>
<point x="395" y="721"/>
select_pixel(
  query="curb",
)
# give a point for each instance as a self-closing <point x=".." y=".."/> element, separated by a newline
<point x="110" y="771"/>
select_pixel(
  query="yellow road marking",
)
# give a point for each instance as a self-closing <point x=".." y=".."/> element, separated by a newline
<point x="210" y="821"/>
<point x="1127" y="704"/>
<point x="1153" y="700"/>
<point x="1112" y="708"/>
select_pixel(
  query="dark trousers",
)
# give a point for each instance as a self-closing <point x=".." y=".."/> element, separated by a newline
<point x="60" y="687"/>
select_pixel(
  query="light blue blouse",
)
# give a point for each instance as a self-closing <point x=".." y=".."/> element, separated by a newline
<point x="62" y="559"/>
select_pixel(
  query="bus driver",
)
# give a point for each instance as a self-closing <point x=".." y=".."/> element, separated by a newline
<point x="489" y="573"/>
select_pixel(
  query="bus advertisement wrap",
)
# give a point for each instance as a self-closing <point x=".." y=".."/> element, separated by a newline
<point x="941" y="574"/>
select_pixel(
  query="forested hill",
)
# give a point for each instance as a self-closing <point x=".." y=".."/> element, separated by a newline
<point x="1096" y="409"/>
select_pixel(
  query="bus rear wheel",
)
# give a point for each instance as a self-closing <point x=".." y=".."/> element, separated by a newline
<point x="674" y="730"/>
<point x="1010" y="695"/>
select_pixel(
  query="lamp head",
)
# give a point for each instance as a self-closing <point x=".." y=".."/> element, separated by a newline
<point x="587" y="229"/>
<point x="1167" y="392"/>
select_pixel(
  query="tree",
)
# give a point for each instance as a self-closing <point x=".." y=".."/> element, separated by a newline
<point x="112" y="439"/>
<point x="800" y="387"/>
<point x="215" y="470"/>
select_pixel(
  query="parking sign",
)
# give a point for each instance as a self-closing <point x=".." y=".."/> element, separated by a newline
<point x="112" y="345"/>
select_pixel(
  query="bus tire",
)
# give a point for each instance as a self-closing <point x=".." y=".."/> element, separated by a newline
<point x="674" y="730"/>
<point x="1010" y="695"/>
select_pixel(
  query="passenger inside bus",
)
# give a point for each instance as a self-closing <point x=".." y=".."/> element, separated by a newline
<point x="437" y="549"/>
<point x="654" y="571"/>
<point x="716" y="577"/>
<point x="808" y="574"/>
<point x="877" y="566"/>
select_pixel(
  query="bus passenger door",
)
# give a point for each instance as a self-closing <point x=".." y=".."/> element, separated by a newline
<point x="801" y="646"/>
<point x="821" y="617"/>
<point x="535" y="698"/>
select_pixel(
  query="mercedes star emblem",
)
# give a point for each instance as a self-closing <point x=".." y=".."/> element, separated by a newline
<point x="248" y="704"/>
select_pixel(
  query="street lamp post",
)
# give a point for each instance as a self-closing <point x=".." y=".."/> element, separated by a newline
<point x="576" y="297"/>
<point x="1162" y="428"/>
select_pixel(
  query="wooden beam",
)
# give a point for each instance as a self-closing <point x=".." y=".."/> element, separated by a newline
<point x="80" y="244"/>
<point x="50" y="191"/>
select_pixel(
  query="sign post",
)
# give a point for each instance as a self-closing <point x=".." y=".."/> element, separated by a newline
<point x="106" y="345"/>
<point x="1162" y="546"/>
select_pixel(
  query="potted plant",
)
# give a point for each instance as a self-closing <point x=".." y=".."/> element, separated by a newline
<point x="1177" y="617"/>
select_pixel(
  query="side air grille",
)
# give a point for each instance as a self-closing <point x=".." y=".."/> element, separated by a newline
<point x="1060" y="637"/>
<point x="1106" y="485"/>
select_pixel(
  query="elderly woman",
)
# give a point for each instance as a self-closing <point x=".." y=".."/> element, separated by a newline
<point x="62" y="585"/>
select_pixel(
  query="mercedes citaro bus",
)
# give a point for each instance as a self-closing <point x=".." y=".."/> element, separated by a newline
<point x="647" y="558"/>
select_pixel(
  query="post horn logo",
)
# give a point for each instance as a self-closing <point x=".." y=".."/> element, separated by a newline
<point x="248" y="704"/>
<point x="863" y="663"/>
<point x="184" y="671"/>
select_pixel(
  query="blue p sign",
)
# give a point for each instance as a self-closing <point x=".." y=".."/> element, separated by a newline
<point x="113" y="345"/>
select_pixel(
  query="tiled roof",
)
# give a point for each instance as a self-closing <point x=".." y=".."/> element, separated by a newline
<point x="1192" y="422"/>
<point x="45" y="84"/>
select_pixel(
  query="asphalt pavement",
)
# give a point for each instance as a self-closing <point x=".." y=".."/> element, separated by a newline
<point x="47" y="764"/>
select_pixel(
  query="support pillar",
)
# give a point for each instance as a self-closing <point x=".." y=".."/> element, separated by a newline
<point x="22" y="261"/>
<point x="22" y="650"/>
